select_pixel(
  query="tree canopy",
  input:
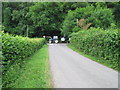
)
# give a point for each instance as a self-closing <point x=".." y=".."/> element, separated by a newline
<point x="56" y="18"/>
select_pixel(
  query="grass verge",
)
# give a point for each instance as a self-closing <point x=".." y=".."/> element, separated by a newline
<point x="36" y="71"/>
<point x="99" y="60"/>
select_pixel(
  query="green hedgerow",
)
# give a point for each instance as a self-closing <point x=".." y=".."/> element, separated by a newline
<point x="18" y="47"/>
<point x="98" y="43"/>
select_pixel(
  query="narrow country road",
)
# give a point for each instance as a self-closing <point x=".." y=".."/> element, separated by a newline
<point x="72" y="70"/>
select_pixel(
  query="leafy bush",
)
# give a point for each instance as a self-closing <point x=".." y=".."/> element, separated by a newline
<point x="76" y="29"/>
<point x="98" y="16"/>
<point x="16" y="48"/>
<point x="98" y="43"/>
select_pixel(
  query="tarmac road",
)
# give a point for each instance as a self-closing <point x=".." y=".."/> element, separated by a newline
<point x="72" y="70"/>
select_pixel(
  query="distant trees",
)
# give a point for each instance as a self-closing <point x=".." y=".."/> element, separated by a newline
<point x="15" y="17"/>
<point x="43" y="18"/>
<point x="54" y="18"/>
<point x="98" y="16"/>
<point x="48" y="17"/>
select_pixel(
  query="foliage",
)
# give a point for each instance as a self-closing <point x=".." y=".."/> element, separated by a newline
<point x="7" y="15"/>
<point x="98" y="43"/>
<point x="16" y="48"/>
<point x="33" y="73"/>
<point x="46" y="18"/>
<point x="98" y="16"/>
<point x="115" y="6"/>
<point x="42" y="18"/>
<point x="15" y="17"/>
<point x="76" y="29"/>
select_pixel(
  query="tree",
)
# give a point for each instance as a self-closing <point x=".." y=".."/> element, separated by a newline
<point x="43" y="18"/>
<point x="14" y="17"/>
<point x="98" y="16"/>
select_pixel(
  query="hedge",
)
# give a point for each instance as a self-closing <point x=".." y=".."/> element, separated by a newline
<point x="16" y="48"/>
<point x="99" y="43"/>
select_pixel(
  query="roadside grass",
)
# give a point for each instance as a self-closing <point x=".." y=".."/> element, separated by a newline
<point x="99" y="60"/>
<point x="36" y="71"/>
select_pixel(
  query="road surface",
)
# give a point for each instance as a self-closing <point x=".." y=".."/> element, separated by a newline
<point x="72" y="70"/>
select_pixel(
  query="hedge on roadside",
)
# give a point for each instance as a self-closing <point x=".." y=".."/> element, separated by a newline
<point x="98" y="43"/>
<point x="16" y="48"/>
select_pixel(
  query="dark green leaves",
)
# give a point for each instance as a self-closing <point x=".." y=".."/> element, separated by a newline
<point x="98" y="16"/>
